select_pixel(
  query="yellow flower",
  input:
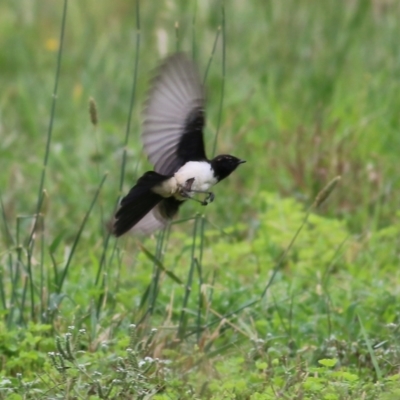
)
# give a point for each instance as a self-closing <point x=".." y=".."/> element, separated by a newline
<point x="77" y="92"/>
<point x="51" y="44"/>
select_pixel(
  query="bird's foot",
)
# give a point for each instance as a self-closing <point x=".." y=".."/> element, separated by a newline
<point x="186" y="192"/>
<point x="209" y="199"/>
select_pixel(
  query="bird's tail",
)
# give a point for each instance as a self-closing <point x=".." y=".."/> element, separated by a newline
<point x="138" y="202"/>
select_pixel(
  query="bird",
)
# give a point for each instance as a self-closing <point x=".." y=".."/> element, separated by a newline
<point x="172" y="136"/>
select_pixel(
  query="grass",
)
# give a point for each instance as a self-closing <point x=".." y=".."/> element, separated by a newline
<point x="257" y="298"/>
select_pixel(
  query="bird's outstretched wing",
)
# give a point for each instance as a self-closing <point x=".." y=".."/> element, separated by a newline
<point x="174" y="116"/>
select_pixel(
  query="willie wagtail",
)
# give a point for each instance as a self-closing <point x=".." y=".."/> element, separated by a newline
<point x="173" y="141"/>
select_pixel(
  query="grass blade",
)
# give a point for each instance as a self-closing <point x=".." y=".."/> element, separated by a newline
<point x="51" y="121"/>
<point x="370" y="350"/>
<point x="194" y="52"/>
<point x="156" y="273"/>
<point x="159" y="264"/>
<point x="212" y="54"/>
<point x="225" y="316"/>
<point x="102" y="259"/>
<point x="321" y="197"/>
<point x="221" y="103"/>
<point x="76" y="241"/>
<point x="133" y="96"/>
<point x="188" y="288"/>
<point x="100" y="269"/>
<point x="177" y="36"/>
<point x="200" y="275"/>
<point x="3" y="291"/>
<point x="9" y="237"/>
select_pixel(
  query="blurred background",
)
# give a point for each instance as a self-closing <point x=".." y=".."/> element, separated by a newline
<point x="311" y="91"/>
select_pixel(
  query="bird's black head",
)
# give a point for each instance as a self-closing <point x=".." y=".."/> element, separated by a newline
<point x="224" y="164"/>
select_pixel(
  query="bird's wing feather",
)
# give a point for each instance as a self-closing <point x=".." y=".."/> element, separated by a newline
<point x="174" y="116"/>
<point x="158" y="217"/>
<point x="149" y="223"/>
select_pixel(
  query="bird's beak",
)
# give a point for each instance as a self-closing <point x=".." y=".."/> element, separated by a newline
<point x="241" y="161"/>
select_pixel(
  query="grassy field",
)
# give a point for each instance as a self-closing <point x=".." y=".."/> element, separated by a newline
<point x="265" y="293"/>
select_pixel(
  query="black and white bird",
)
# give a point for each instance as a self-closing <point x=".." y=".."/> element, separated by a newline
<point x="172" y="137"/>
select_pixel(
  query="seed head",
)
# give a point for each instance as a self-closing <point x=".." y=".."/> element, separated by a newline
<point x="326" y="191"/>
<point x="93" y="112"/>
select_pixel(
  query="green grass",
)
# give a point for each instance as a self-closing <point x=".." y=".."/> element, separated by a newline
<point x="228" y="302"/>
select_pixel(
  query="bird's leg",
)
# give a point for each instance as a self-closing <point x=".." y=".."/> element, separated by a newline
<point x="209" y="199"/>
<point x="187" y="188"/>
<point x="187" y="196"/>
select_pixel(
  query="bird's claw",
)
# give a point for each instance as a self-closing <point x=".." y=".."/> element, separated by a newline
<point x="209" y="199"/>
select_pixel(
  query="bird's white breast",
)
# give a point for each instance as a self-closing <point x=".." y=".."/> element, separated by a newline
<point x="202" y="173"/>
